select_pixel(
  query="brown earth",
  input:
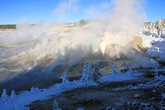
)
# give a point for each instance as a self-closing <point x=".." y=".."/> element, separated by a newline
<point x="98" y="98"/>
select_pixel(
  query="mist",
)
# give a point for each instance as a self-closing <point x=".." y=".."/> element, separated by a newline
<point x="116" y="24"/>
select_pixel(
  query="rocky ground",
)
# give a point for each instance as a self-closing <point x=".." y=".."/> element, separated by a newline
<point x="142" y="94"/>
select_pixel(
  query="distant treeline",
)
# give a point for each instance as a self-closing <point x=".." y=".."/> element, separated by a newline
<point x="10" y="26"/>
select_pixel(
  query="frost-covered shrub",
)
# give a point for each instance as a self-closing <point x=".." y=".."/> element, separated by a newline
<point x="108" y="108"/>
<point x="95" y="73"/>
<point x="55" y="105"/>
<point x="34" y="89"/>
<point x="13" y="94"/>
<point x="113" y="69"/>
<point x="80" y="108"/>
<point x="4" y="94"/>
<point x="86" y="74"/>
<point x="90" y="73"/>
<point x="137" y="95"/>
<point x="65" y="77"/>
<point x="129" y="72"/>
<point x="119" y="72"/>
<point x="156" y="72"/>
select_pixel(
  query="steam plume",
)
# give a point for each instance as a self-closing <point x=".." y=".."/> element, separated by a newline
<point x="120" y="21"/>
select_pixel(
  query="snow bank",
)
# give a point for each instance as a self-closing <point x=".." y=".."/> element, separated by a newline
<point x="158" y="50"/>
<point x="148" y="40"/>
<point x="27" y="97"/>
<point x="157" y="82"/>
<point x="155" y="45"/>
<point x="119" y="77"/>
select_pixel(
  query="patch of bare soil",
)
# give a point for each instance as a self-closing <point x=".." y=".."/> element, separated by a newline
<point x="104" y="96"/>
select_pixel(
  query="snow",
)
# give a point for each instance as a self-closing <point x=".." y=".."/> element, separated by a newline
<point x="65" y="77"/>
<point x="155" y="45"/>
<point x="158" y="50"/>
<point x="153" y="37"/>
<point x="21" y="100"/>
<point x="120" y="76"/>
<point x="27" y="97"/>
<point x="155" y="29"/>
<point x="154" y="91"/>
<point x="55" y="105"/>
<point x="157" y="82"/>
<point x="80" y="108"/>
<point x="137" y="96"/>
<point x="148" y="40"/>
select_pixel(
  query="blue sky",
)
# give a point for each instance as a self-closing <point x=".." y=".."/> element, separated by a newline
<point x="13" y="11"/>
<point x="155" y="9"/>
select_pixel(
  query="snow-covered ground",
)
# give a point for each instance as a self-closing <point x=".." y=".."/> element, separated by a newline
<point x="148" y="40"/>
<point x="21" y="100"/>
<point x="155" y="46"/>
<point x="158" y="50"/>
<point x="157" y="82"/>
<point x="153" y="35"/>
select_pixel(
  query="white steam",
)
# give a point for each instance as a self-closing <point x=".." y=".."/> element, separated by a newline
<point x="123" y="24"/>
<point x="66" y="9"/>
<point x="120" y="21"/>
